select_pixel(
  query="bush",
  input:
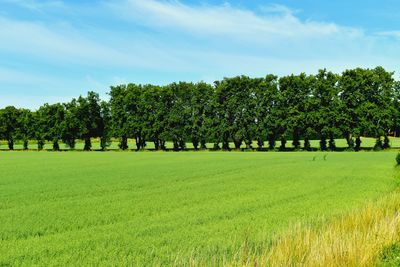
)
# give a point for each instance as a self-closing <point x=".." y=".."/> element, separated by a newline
<point x="398" y="158"/>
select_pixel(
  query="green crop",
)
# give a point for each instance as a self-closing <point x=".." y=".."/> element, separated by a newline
<point x="151" y="208"/>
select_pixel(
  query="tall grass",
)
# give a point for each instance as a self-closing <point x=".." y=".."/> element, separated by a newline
<point x="355" y="239"/>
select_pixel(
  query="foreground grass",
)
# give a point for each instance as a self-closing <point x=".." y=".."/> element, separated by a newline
<point x="390" y="256"/>
<point x="356" y="239"/>
<point x="166" y="208"/>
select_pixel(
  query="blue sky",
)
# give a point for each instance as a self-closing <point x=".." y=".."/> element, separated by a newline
<point x="54" y="50"/>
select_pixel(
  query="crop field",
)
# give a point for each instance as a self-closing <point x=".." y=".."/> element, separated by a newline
<point x="116" y="209"/>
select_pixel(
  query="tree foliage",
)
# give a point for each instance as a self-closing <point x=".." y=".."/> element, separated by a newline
<point x="239" y="110"/>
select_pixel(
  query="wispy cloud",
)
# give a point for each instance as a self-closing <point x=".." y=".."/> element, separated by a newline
<point x="395" y="34"/>
<point x="89" y="47"/>
<point x="273" y="23"/>
<point x="272" y="34"/>
<point x="62" y="44"/>
<point x="34" y="5"/>
<point x="34" y="38"/>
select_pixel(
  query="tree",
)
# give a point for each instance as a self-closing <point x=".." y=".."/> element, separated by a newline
<point x="40" y="128"/>
<point x="268" y="120"/>
<point x="179" y="113"/>
<point x="325" y="103"/>
<point x="367" y="97"/>
<point x="155" y="112"/>
<point x="89" y="112"/>
<point x="294" y="100"/>
<point x="105" y="127"/>
<point x="2" y="127"/>
<point x="25" y="130"/>
<point x="9" y="124"/>
<point x="214" y="119"/>
<point x="351" y="85"/>
<point x="236" y="98"/>
<point x="119" y="115"/>
<point x="200" y="104"/>
<point x="71" y="124"/>
<point x="359" y="102"/>
<point x="51" y="120"/>
<point x="396" y="109"/>
<point x="135" y="116"/>
<point x="381" y="96"/>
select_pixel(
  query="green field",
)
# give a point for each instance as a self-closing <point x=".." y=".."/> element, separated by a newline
<point x="118" y="209"/>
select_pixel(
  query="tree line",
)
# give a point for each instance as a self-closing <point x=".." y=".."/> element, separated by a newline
<point x="239" y="110"/>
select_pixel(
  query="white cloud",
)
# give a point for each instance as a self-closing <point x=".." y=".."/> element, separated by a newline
<point x="165" y="41"/>
<point x="238" y="40"/>
<point x="33" y="38"/>
<point x="395" y="34"/>
<point x="67" y="45"/>
<point x="272" y="35"/>
<point x="276" y="22"/>
<point x="42" y="88"/>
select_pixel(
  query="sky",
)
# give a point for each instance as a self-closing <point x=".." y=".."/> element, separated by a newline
<point x="54" y="50"/>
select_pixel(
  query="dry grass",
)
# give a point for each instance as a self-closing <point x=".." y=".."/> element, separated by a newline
<point x="352" y="240"/>
<point x="357" y="239"/>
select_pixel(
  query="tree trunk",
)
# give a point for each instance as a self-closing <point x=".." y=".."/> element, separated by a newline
<point x="332" y="145"/>
<point x="40" y="144"/>
<point x="283" y="143"/>
<point x="358" y="144"/>
<point x="71" y="143"/>
<point x="162" y="145"/>
<point x="260" y="143"/>
<point x="176" y="145"/>
<point x="350" y="142"/>
<point x="88" y="144"/>
<point x="143" y="142"/>
<point x="249" y="144"/>
<point x="103" y="143"/>
<point x="378" y="144"/>
<point x="123" y="144"/>
<point x="237" y="143"/>
<point x="386" y="142"/>
<point x="203" y="144"/>
<point x="56" y="146"/>
<point x="296" y="140"/>
<point x="156" y="144"/>
<point x="25" y="144"/>
<point x="182" y="144"/>
<point x="322" y="143"/>
<point x="271" y="142"/>
<point x="225" y="142"/>
<point x="138" y="143"/>
<point x="307" y="145"/>
<point x="195" y="143"/>
<point x="216" y="146"/>
<point x="11" y="144"/>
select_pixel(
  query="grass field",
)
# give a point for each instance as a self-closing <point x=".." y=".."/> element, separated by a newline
<point x="118" y="209"/>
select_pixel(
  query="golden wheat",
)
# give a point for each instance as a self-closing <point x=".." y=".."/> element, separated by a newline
<point x="355" y="239"/>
